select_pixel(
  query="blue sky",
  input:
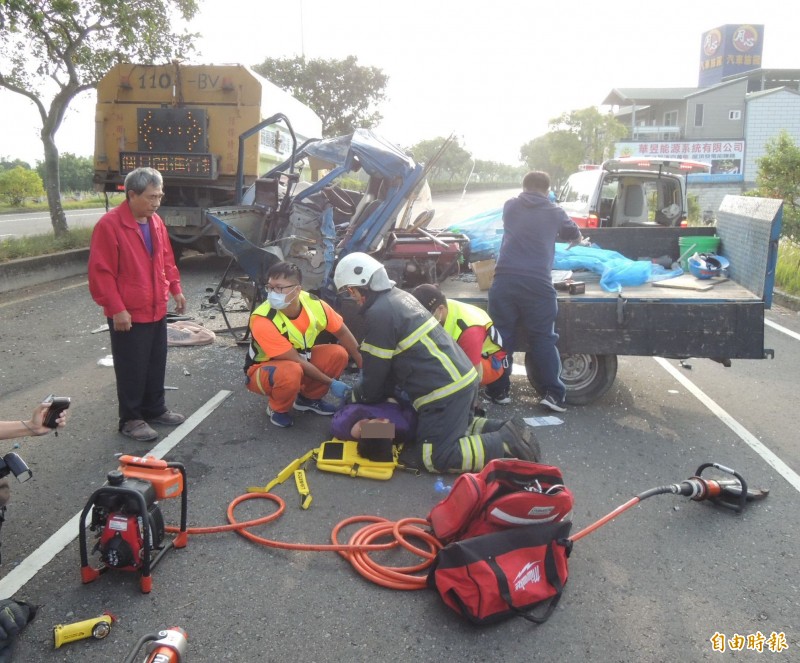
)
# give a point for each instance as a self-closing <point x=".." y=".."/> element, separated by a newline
<point x="494" y="73"/>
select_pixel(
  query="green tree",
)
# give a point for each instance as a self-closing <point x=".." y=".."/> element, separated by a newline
<point x="454" y="162"/>
<point x="20" y="183"/>
<point x="75" y="173"/>
<point x="779" y="177"/>
<point x="596" y="131"/>
<point x="343" y="93"/>
<point x="558" y="153"/>
<point x="52" y="51"/>
<point x="494" y="171"/>
<point x="8" y="164"/>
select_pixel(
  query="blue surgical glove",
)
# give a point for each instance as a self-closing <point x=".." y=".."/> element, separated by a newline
<point x="340" y="389"/>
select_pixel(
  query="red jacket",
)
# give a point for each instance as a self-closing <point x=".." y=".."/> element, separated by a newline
<point x="122" y="275"/>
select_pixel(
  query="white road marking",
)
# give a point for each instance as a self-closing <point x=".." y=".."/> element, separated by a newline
<point x="780" y="328"/>
<point x="747" y="437"/>
<point x="49" y="292"/>
<point x="16" y="218"/>
<point x="45" y="553"/>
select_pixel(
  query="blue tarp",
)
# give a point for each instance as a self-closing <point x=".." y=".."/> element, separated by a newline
<point x="485" y="232"/>
<point x="485" y="235"/>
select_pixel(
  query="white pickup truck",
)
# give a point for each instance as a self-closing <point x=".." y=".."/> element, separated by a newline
<point x="630" y="192"/>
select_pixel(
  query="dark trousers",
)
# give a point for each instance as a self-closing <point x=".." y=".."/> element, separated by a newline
<point x="140" y="364"/>
<point x="445" y="441"/>
<point x="514" y="301"/>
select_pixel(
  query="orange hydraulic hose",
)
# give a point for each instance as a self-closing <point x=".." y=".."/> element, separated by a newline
<point x="609" y="516"/>
<point x="356" y="551"/>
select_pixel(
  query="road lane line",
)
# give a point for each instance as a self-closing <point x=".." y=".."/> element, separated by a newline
<point x="780" y="328"/>
<point x="44" y="554"/>
<point x="44" y="294"/>
<point x="751" y="440"/>
<point x="18" y="218"/>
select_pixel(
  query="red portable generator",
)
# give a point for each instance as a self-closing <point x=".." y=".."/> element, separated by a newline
<point x="127" y="518"/>
<point x="415" y="257"/>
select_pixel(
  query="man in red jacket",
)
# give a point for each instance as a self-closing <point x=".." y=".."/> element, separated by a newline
<point x="132" y="272"/>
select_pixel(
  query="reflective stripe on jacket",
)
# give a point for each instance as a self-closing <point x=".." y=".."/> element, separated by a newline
<point x="405" y="348"/>
<point x="461" y="316"/>
<point x="317" y="322"/>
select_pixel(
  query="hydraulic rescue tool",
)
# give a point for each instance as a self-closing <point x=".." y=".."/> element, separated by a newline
<point x="96" y="627"/>
<point x="167" y="646"/>
<point x="729" y="493"/>
<point x="127" y="518"/>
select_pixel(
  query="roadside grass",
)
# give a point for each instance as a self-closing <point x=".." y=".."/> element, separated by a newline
<point x="31" y="246"/>
<point x="68" y="202"/>
<point x="787" y="272"/>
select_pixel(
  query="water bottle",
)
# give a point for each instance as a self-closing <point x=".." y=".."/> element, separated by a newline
<point x="442" y="488"/>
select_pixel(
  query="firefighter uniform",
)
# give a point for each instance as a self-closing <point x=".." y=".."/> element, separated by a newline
<point x="406" y="351"/>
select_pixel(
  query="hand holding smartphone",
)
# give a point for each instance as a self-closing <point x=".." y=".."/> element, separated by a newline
<point x="57" y="405"/>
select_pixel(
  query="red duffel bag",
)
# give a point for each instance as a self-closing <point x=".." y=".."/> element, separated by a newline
<point x="507" y="492"/>
<point x="510" y="573"/>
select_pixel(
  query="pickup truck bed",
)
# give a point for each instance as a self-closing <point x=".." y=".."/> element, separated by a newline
<point x="724" y="322"/>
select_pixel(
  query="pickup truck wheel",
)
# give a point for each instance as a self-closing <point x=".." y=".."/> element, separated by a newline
<point x="586" y="376"/>
<point x="177" y="250"/>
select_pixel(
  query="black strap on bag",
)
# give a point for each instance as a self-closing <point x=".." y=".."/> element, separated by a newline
<point x="552" y="576"/>
<point x="473" y="576"/>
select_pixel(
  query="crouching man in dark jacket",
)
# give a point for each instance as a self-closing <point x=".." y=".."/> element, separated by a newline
<point x="406" y="351"/>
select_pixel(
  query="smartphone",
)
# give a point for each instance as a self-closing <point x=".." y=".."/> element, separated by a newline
<point x="57" y="405"/>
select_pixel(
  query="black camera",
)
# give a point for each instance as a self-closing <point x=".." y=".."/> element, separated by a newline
<point x="12" y="463"/>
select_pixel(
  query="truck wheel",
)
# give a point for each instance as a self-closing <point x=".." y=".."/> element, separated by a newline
<point x="177" y="250"/>
<point x="586" y="376"/>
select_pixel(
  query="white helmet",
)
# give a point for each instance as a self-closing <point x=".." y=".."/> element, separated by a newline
<point x="359" y="270"/>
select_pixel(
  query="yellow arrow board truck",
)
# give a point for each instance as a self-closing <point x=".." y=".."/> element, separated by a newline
<point x="185" y="121"/>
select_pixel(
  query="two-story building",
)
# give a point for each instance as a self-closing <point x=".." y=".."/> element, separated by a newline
<point x="726" y="121"/>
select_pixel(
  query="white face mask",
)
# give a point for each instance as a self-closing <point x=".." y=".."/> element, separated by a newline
<point x="279" y="300"/>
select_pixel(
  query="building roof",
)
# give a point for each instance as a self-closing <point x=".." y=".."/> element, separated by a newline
<point x="716" y="86"/>
<point x="764" y="93"/>
<point x="768" y="74"/>
<point x="646" y="95"/>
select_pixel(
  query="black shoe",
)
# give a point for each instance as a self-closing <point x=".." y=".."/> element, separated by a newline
<point x="552" y="404"/>
<point x="503" y="398"/>
<point x="520" y="441"/>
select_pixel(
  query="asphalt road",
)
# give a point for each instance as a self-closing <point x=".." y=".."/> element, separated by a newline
<point x="38" y="223"/>
<point x="653" y="585"/>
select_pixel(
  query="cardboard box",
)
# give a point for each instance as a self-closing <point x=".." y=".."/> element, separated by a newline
<point x="484" y="270"/>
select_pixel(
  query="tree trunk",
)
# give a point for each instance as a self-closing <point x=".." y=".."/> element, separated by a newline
<point x="53" y="186"/>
